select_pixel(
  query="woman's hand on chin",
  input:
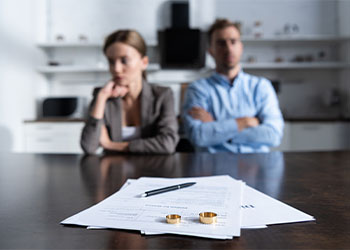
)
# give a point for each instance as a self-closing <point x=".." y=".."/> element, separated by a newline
<point x="111" y="89"/>
<point x="119" y="91"/>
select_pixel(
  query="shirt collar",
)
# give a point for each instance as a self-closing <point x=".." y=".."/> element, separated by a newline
<point x="223" y="80"/>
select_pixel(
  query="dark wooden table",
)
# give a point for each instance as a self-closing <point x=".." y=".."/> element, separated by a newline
<point x="38" y="191"/>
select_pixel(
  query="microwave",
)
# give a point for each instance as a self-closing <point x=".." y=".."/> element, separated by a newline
<point x="64" y="107"/>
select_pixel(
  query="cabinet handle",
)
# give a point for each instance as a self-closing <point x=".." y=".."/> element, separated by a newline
<point x="311" y="127"/>
<point x="44" y="140"/>
<point x="44" y="128"/>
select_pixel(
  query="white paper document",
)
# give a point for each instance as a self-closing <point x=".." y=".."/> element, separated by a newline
<point x="260" y="209"/>
<point x="236" y="204"/>
<point x="127" y="210"/>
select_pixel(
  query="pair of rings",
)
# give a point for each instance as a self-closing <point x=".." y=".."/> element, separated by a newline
<point x="205" y="217"/>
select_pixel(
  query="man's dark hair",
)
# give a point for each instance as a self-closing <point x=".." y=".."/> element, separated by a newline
<point x="222" y="23"/>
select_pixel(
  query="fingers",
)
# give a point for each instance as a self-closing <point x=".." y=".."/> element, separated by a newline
<point x="246" y="122"/>
<point x="241" y="124"/>
<point x="195" y="112"/>
<point x="195" y="115"/>
<point x="200" y="114"/>
<point x="109" y="86"/>
<point x="197" y="109"/>
<point x="123" y="91"/>
<point x="106" y="90"/>
<point x="252" y="121"/>
<point x="119" y="91"/>
<point x="111" y="89"/>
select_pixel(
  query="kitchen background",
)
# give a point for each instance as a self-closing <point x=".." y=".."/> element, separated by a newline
<point x="52" y="48"/>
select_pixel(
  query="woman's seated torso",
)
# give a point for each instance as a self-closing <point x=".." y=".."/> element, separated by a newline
<point x="151" y="105"/>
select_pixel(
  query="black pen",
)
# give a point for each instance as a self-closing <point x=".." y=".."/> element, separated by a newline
<point x="167" y="189"/>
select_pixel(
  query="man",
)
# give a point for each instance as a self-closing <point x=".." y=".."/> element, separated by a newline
<point x="231" y="110"/>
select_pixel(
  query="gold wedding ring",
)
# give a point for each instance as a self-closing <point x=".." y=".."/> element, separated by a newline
<point x="207" y="217"/>
<point x="173" y="218"/>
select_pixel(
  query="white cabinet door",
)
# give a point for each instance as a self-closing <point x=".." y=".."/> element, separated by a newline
<point x="53" y="137"/>
<point x="318" y="136"/>
<point x="285" y="144"/>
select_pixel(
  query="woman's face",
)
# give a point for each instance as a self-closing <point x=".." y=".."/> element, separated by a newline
<point x="125" y="64"/>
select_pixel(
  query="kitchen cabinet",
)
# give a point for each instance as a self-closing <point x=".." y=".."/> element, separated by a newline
<point x="316" y="136"/>
<point x="52" y="136"/>
<point x="319" y="136"/>
<point x="64" y="137"/>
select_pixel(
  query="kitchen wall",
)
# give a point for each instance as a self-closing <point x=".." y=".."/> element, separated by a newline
<point x="19" y="82"/>
<point x="278" y="18"/>
<point x="25" y="24"/>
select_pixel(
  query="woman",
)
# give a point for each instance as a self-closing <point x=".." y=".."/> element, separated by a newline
<point x="128" y="114"/>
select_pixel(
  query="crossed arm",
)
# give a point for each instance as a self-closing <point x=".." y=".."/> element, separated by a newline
<point x="201" y="114"/>
<point x="204" y="131"/>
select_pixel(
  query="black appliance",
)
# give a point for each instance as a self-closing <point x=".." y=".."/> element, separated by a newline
<point x="67" y="107"/>
<point x="180" y="46"/>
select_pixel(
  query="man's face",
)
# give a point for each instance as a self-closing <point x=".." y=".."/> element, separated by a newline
<point x="226" y="48"/>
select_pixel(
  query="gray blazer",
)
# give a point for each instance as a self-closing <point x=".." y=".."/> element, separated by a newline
<point x="159" y="128"/>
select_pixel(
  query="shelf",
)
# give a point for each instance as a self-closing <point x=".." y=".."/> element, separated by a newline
<point x="62" y="44"/>
<point x="71" y="69"/>
<point x="277" y="38"/>
<point x="295" y="38"/>
<point x="296" y="65"/>
<point x="317" y="119"/>
<point x="156" y="67"/>
<point x="54" y="120"/>
<point x="69" y="45"/>
<point x="84" y="69"/>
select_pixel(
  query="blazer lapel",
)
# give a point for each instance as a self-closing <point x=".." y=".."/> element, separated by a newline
<point x="146" y="103"/>
<point x="116" y="116"/>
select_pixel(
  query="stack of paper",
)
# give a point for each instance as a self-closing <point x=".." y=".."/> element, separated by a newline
<point x="237" y="206"/>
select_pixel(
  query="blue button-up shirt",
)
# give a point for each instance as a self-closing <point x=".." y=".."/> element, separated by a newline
<point x="247" y="96"/>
